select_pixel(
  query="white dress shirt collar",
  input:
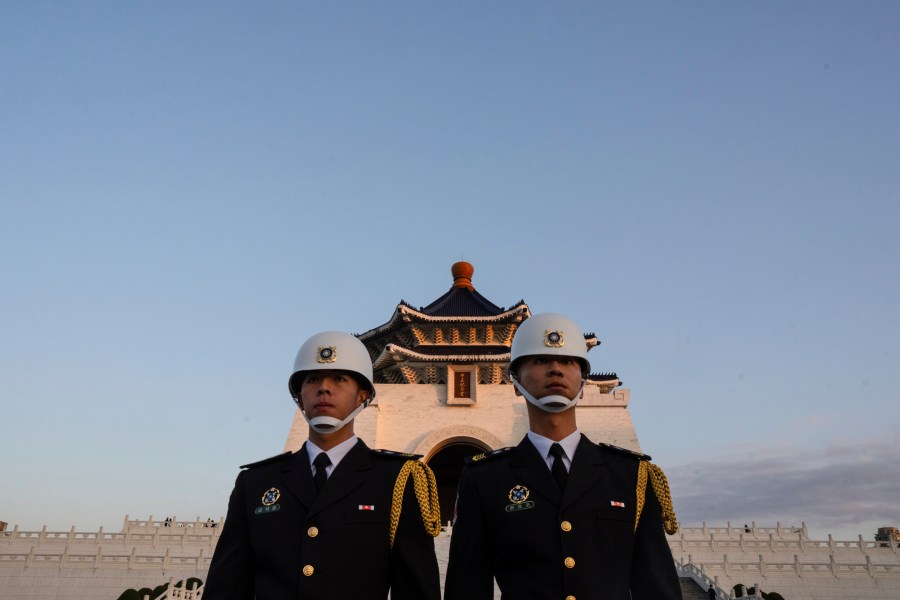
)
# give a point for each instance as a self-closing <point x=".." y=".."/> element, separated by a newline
<point x="569" y="445"/>
<point x="336" y="454"/>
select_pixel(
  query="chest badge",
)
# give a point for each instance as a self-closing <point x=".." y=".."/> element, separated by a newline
<point x="271" y="496"/>
<point x="518" y="495"/>
<point x="269" y="499"/>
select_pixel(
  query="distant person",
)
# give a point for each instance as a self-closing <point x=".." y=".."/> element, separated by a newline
<point x="711" y="592"/>
<point x="559" y="516"/>
<point x="323" y="523"/>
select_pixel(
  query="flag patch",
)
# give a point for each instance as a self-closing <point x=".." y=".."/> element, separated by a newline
<point x="617" y="504"/>
<point x="366" y="507"/>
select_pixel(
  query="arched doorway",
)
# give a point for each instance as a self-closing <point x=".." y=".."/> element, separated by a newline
<point x="447" y="464"/>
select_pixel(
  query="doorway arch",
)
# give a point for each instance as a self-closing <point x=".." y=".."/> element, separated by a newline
<point x="445" y="451"/>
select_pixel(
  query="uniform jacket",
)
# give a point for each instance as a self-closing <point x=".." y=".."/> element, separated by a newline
<point x="512" y="523"/>
<point x="293" y="545"/>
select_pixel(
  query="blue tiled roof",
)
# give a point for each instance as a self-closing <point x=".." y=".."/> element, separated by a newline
<point x="462" y="302"/>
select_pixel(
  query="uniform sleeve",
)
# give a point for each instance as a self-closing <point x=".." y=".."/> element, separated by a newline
<point x="231" y="573"/>
<point x="414" y="568"/>
<point x="653" y="575"/>
<point x="469" y="572"/>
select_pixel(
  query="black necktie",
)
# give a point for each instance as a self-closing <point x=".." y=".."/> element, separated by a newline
<point x="558" y="468"/>
<point x="321" y="462"/>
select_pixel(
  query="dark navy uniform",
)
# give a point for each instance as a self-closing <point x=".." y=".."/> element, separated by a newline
<point x="513" y="523"/>
<point x="282" y="542"/>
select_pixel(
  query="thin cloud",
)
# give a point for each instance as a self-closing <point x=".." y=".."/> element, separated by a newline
<point x="838" y="489"/>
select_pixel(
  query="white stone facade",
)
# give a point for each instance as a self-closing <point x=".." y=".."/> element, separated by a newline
<point x="418" y="419"/>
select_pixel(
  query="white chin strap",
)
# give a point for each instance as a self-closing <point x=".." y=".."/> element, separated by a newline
<point x="553" y="403"/>
<point x="326" y="425"/>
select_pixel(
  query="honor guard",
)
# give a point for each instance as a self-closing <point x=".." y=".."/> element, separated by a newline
<point x="559" y="517"/>
<point x="334" y="520"/>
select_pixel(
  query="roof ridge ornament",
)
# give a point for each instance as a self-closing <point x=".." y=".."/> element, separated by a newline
<point x="462" y="275"/>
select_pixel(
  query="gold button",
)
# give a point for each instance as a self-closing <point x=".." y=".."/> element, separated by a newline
<point x="312" y="531"/>
<point x="308" y="570"/>
<point x="570" y="597"/>
<point x="570" y="562"/>
<point x="566" y="526"/>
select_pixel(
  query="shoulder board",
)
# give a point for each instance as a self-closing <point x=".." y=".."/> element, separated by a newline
<point x="395" y="454"/>
<point x="266" y="461"/>
<point x="490" y="455"/>
<point x="625" y="451"/>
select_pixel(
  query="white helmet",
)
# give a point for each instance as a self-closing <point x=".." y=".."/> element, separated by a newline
<point x="332" y="351"/>
<point x="549" y="334"/>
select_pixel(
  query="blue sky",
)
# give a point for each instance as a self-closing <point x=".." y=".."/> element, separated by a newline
<point x="188" y="192"/>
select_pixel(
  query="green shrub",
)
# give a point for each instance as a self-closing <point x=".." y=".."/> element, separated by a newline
<point x="129" y="595"/>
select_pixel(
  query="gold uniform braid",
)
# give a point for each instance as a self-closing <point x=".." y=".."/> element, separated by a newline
<point x="425" y="487"/>
<point x="648" y="470"/>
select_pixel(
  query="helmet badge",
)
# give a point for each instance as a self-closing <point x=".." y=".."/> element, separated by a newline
<point x="326" y="354"/>
<point x="554" y="339"/>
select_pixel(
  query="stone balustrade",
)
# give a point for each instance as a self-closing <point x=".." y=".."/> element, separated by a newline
<point x="781" y="558"/>
<point x="767" y="567"/>
<point x="134" y="533"/>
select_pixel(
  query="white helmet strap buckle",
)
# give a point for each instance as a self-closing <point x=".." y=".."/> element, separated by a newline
<point x="326" y="425"/>
<point x="553" y="403"/>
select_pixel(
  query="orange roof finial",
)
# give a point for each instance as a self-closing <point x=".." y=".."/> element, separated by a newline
<point x="462" y="275"/>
